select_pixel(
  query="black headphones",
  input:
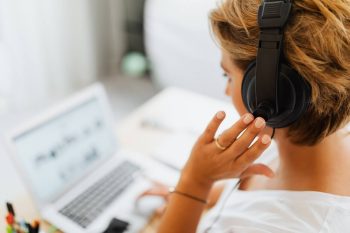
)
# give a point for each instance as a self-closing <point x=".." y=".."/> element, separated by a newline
<point x="271" y="89"/>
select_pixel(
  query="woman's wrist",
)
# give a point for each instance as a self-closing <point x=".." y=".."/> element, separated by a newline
<point x="188" y="184"/>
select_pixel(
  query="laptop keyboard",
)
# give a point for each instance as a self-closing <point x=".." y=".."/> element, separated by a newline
<point x="88" y="205"/>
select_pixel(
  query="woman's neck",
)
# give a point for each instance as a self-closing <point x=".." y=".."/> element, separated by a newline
<point x="322" y="167"/>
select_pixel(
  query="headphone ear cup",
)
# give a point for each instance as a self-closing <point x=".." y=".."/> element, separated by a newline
<point x="293" y="97"/>
<point x="248" y="88"/>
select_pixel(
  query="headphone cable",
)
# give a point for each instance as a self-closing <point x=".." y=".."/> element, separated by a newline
<point x="273" y="133"/>
<point x="218" y="216"/>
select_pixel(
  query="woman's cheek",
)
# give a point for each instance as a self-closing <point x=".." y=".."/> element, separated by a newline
<point x="237" y="97"/>
<point x="228" y="91"/>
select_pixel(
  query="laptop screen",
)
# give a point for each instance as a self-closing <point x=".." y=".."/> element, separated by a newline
<point x="58" y="152"/>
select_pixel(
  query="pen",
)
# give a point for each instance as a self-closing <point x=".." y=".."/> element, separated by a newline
<point x="36" y="226"/>
<point x="29" y="227"/>
<point x="10" y="219"/>
<point x="9" y="229"/>
<point x="10" y="209"/>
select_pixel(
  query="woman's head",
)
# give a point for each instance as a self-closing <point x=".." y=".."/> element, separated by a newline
<point x="317" y="45"/>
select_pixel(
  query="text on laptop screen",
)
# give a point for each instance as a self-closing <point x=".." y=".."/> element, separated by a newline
<point x="58" y="152"/>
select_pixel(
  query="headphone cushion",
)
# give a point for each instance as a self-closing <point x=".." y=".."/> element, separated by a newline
<point x="293" y="96"/>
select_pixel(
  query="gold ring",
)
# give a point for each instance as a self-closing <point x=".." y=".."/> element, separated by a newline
<point x="218" y="145"/>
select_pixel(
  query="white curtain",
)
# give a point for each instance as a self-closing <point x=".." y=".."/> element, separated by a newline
<point x="49" y="48"/>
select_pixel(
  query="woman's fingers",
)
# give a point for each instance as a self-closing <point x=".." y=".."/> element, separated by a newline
<point x="257" y="169"/>
<point x="246" y="139"/>
<point x="254" y="151"/>
<point x="161" y="191"/>
<point x="160" y="211"/>
<point x="213" y="126"/>
<point x="230" y="135"/>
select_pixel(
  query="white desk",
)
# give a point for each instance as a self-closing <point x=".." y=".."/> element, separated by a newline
<point x="173" y="111"/>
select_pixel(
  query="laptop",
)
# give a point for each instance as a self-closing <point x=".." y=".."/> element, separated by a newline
<point x="78" y="176"/>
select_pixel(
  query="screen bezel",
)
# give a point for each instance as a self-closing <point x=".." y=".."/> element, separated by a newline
<point x="97" y="92"/>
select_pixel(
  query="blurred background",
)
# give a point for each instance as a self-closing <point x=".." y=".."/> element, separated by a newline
<point x="52" y="48"/>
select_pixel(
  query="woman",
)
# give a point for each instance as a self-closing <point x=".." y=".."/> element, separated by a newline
<point x="306" y="189"/>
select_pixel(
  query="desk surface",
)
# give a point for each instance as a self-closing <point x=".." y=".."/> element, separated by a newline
<point x="170" y="112"/>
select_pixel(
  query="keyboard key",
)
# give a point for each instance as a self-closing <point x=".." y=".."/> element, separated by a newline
<point x="91" y="203"/>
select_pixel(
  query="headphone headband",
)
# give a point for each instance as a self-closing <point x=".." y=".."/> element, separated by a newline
<point x="271" y="88"/>
<point x="272" y="17"/>
<point x="274" y="13"/>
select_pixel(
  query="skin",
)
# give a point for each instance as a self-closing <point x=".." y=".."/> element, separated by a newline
<point x="322" y="167"/>
<point x="208" y="164"/>
<point x="232" y="90"/>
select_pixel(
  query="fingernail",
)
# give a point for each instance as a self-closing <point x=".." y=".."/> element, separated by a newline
<point x="266" y="139"/>
<point x="247" y="118"/>
<point x="259" y="123"/>
<point x="220" y="115"/>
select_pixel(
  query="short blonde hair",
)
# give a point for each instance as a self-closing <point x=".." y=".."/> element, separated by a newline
<point x="317" y="45"/>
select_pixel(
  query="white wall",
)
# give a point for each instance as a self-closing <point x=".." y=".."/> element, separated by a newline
<point x="180" y="46"/>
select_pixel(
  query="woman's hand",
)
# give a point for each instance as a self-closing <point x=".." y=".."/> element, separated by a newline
<point x="158" y="190"/>
<point x="231" y="155"/>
